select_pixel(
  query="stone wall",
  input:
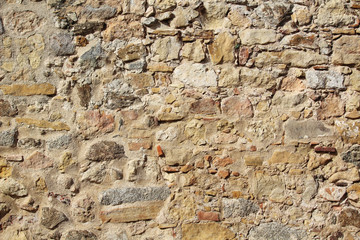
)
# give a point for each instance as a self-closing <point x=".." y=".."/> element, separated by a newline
<point x="179" y="119"/>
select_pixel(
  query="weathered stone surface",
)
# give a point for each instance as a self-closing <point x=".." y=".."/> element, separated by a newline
<point x="229" y="76"/>
<point x="280" y="156"/>
<point x="352" y="155"/>
<point x="164" y="5"/>
<point x="301" y="16"/>
<point x="263" y="185"/>
<point x="238" y="17"/>
<point x="208" y="216"/>
<point x="92" y="122"/>
<point x="84" y="209"/>
<point x="123" y="27"/>
<point x="131" y="213"/>
<point x="38" y="160"/>
<point x="253" y="160"/>
<point x="333" y="194"/>
<point x="28" y="90"/>
<point x="88" y="27"/>
<point x="350" y="176"/>
<point x="8" y="138"/>
<point x="346" y="51"/>
<point x="80" y="235"/>
<point x="141" y="80"/>
<point x="353" y="78"/>
<point x="215" y="231"/>
<point x="292" y="58"/>
<point x="105" y="151"/>
<point x="166" y="48"/>
<point x="324" y="79"/>
<point x="57" y="126"/>
<point x="6" y="110"/>
<point x="332" y="106"/>
<point x="183" y="16"/>
<point x="103" y="12"/>
<point x="257" y="36"/>
<point x="237" y="107"/>
<point x="61" y="142"/>
<point x="238" y="207"/>
<point x="2" y="31"/>
<point x="349" y="217"/>
<point x="130" y="195"/>
<point x="204" y="106"/>
<point x="22" y="22"/>
<point x="311" y="189"/>
<point x="62" y="44"/>
<point x="275" y="231"/>
<point x="131" y="52"/>
<point x="195" y="75"/>
<point x="115" y="101"/>
<point x="193" y="51"/>
<point x="306" y="129"/>
<point x="254" y="77"/>
<point x="84" y="93"/>
<point x="222" y="49"/>
<point x="4" y="209"/>
<point x="333" y="13"/>
<point x="273" y="13"/>
<point x="95" y="174"/>
<point x="51" y="217"/>
<point x="13" y="188"/>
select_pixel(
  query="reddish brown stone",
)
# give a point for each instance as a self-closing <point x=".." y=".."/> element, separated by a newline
<point x="244" y="54"/>
<point x="135" y="146"/>
<point x="160" y="151"/>
<point x="207" y="158"/>
<point x="349" y="217"/>
<point x="38" y="161"/>
<point x="321" y="149"/>
<point x="186" y="168"/>
<point x="253" y="148"/>
<point x="81" y="41"/>
<point x="235" y="174"/>
<point x="129" y="115"/>
<point x="169" y="169"/>
<point x="212" y="171"/>
<point x="237" y="107"/>
<point x="200" y="164"/>
<point x="96" y="121"/>
<point x="209" y="216"/>
<point x="222" y="162"/>
<point x="204" y="106"/>
<point x="223" y="173"/>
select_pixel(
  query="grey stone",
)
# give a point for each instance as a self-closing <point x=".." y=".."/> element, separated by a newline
<point x="116" y="101"/>
<point x="238" y="207"/>
<point x="4" y="209"/>
<point x="275" y="231"/>
<point x="273" y="12"/>
<point x="11" y="187"/>
<point x="30" y="143"/>
<point x="310" y="190"/>
<point x="105" y="151"/>
<point x="118" y="196"/>
<point x="51" y="217"/>
<point x="104" y="12"/>
<point x="80" y="235"/>
<point x="62" y="44"/>
<point x="324" y="79"/>
<point x="352" y="155"/>
<point x="305" y="129"/>
<point x="90" y="59"/>
<point x="137" y="66"/>
<point x="60" y="142"/>
<point x="8" y="138"/>
<point x="2" y="31"/>
<point x="88" y="27"/>
<point x="95" y="174"/>
<point x="148" y="21"/>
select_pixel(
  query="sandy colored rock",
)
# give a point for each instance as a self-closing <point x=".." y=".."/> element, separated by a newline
<point x="222" y="49"/>
<point x="257" y="36"/>
<point x="346" y="51"/>
<point x="29" y="90"/>
<point x="193" y="51"/>
<point x="206" y="231"/>
<point x="57" y="126"/>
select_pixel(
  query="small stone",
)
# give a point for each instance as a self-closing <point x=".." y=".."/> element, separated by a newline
<point x="222" y="162"/>
<point x="275" y="231"/>
<point x="160" y="151"/>
<point x="135" y="146"/>
<point x="159" y="67"/>
<point x="92" y="122"/>
<point x="164" y="5"/>
<point x="61" y="142"/>
<point x="229" y="76"/>
<point x="167" y="48"/>
<point x="103" y="12"/>
<point x="222" y="49"/>
<point x="11" y="187"/>
<point x="238" y="18"/>
<point x="223" y="173"/>
<point x="332" y="13"/>
<point x="8" y="138"/>
<point x="22" y="22"/>
<point x="273" y="13"/>
<point x="51" y="217"/>
<point x="306" y="129"/>
<point x="204" y="106"/>
<point x="105" y="151"/>
<point x="257" y="36"/>
<point x="346" y="51"/>
<point x="351" y="115"/>
<point x="193" y="51"/>
<point x="2" y="31"/>
<point x="119" y="196"/>
<point x="253" y="160"/>
<point x="332" y="106"/>
<point x="95" y="174"/>
<point x="80" y="235"/>
<point x="351" y="176"/>
<point x="333" y="194"/>
<point x="302" y="16"/>
<point x="28" y="90"/>
<point x="150" y="21"/>
<point x="131" y="52"/>
<point x="349" y="217"/>
<point x="4" y="209"/>
<point x="62" y="44"/>
<point x="88" y="27"/>
<point x="169" y="117"/>
<point x="84" y="93"/>
<point x="209" y="216"/>
<point x="84" y="209"/>
<point x="320" y="149"/>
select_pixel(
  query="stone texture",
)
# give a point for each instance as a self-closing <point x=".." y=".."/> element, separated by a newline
<point x="333" y="13"/>
<point x="222" y="49"/>
<point x="131" y="52"/>
<point x="130" y="195"/>
<point x="346" y="51"/>
<point x="8" y="137"/>
<point x="93" y="122"/>
<point x="237" y="107"/>
<point x="352" y="155"/>
<point x="123" y="27"/>
<point x="29" y="90"/>
<point x="324" y="79"/>
<point x="333" y="194"/>
<point x="281" y="157"/>
<point x="332" y="106"/>
<point x="306" y="129"/>
<point x="167" y="48"/>
<point x="88" y="27"/>
<point x="22" y="22"/>
<point x="204" y="106"/>
<point x="94" y="174"/>
<point x="57" y="126"/>
<point x="105" y="151"/>
<point x="193" y="51"/>
<point x="195" y="75"/>
<point x="80" y="235"/>
<point x="273" y="13"/>
<point x="84" y="209"/>
<point x="61" y="142"/>
<point x="229" y="76"/>
<point x="38" y="160"/>
<point x="103" y="12"/>
<point x="6" y="110"/>
<point x="238" y="207"/>
<point x="11" y="187"/>
<point x="62" y="44"/>
<point x="215" y="231"/>
<point x="131" y="213"/>
<point x="350" y="217"/>
<point x="275" y="231"/>
<point x="208" y="216"/>
<point x="293" y="58"/>
<point x="257" y="36"/>
<point x="51" y="217"/>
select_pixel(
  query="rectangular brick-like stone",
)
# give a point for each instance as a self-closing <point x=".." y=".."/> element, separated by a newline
<point x="251" y="160"/>
<point x="57" y="126"/>
<point x="135" y="146"/>
<point x="159" y="67"/>
<point x="28" y="90"/>
<point x="131" y="213"/>
<point x="210" y="216"/>
<point x="320" y="149"/>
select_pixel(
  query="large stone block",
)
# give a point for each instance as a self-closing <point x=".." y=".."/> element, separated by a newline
<point x="324" y="79"/>
<point x="346" y="51"/>
<point x="105" y="151"/>
<point x="57" y="126"/>
<point x="238" y="207"/>
<point x="28" y="90"/>
<point x="200" y="231"/>
<point x="275" y="231"/>
<point x="306" y="129"/>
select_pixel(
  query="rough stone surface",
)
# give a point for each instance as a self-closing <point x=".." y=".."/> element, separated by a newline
<point x="105" y="151"/>
<point x="131" y="195"/>
<point x="236" y="106"/>
<point x="51" y="217"/>
<point x="324" y="79"/>
<point x="272" y="231"/>
<point x="350" y="217"/>
<point x="257" y="36"/>
<point x="206" y="231"/>
<point x="11" y="187"/>
<point x="238" y="207"/>
<point x="62" y="44"/>
<point x="8" y="138"/>
<point x="195" y="75"/>
<point x="28" y="90"/>
<point x="80" y="235"/>
<point x="306" y="129"/>
<point x="346" y="51"/>
<point x="352" y="155"/>
<point x="222" y="49"/>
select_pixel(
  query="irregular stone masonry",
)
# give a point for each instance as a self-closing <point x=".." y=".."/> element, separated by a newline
<point x="179" y="119"/>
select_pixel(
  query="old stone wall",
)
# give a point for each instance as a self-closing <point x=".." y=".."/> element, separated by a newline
<point x="179" y="119"/>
